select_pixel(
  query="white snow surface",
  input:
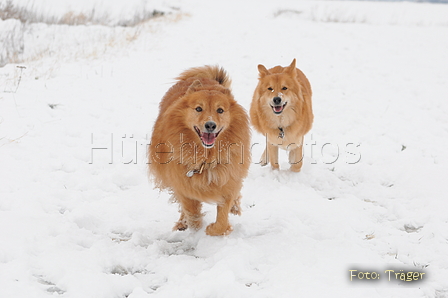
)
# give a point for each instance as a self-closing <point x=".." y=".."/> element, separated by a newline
<point x="80" y="221"/>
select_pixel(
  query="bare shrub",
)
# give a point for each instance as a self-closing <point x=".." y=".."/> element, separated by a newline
<point x="27" y="15"/>
<point x="11" y="35"/>
<point x="287" y="12"/>
<point x="19" y="22"/>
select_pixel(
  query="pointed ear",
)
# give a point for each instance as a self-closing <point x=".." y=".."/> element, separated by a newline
<point x="293" y="63"/>
<point x="193" y="87"/>
<point x="291" y="69"/>
<point x="263" y="71"/>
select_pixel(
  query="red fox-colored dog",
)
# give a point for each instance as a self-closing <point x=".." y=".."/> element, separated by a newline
<point x="281" y="109"/>
<point x="200" y="147"/>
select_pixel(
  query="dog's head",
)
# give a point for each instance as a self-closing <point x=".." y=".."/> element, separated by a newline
<point x="207" y="112"/>
<point x="278" y="88"/>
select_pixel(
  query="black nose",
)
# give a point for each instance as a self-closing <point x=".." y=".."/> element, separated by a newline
<point x="210" y="126"/>
<point x="277" y="100"/>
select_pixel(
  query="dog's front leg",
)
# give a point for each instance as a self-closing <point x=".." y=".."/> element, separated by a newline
<point x="190" y="214"/>
<point x="273" y="156"/>
<point x="222" y="225"/>
<point x="296" y="157"/>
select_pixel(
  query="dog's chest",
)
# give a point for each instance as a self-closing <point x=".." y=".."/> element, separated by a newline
<point x="284" y="138"/>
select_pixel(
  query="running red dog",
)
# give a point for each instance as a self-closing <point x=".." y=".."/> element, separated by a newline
<point x="200" y="147"/>
<point x="281" y="109"/>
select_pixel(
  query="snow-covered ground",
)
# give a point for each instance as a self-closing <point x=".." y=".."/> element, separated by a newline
<point x="79" y="218"/>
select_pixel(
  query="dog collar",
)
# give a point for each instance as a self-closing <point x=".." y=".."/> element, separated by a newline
<point x="281" y="134"/>
<point x="195" y="171"/>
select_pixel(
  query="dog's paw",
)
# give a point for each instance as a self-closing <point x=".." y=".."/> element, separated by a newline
<point x="183" y="225"/>
<point x="296" y="168"/>
<point x="263" y="163"/>
<point x="263" y="160"/>
<point x="215" y="229"/>
<point x="180" y="226"/>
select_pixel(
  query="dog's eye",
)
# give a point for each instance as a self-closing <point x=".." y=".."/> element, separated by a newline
<point x="284" y="88"/>
<point x="198" y="109"/>
<point x="220" y="110"/>
<point x="270" y="89"/>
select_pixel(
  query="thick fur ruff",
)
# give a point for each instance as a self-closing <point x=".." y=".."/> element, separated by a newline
<point x="200" y="147"/>
<point x="281" y="109"/>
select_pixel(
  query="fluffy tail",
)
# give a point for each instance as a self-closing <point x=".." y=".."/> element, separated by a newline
<point x="208" y="72"/>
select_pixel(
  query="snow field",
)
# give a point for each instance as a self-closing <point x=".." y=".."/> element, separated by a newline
<point x="80" y="221"/>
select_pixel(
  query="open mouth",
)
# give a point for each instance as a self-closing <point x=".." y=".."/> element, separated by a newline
<point x="208" y="138"/>
<point x="278" y="109"/>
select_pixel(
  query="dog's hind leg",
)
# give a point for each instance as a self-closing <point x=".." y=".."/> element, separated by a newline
<point x="264" y="158"/>
<point x="190" y="214"/>
<point x="236" y="208"/>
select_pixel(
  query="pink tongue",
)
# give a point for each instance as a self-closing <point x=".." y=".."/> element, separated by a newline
<point x="208" y="138"/>
<point x="278" y="108"/>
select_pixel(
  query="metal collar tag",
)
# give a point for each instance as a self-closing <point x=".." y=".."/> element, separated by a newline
<point x="281" y="134"/>
<point x="192" y="172"/>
